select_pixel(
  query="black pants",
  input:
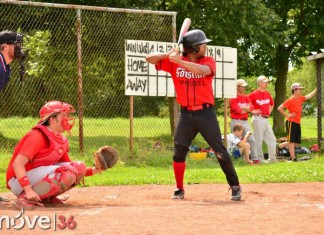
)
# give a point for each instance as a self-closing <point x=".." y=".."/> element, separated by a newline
<point x="204" y="121"/>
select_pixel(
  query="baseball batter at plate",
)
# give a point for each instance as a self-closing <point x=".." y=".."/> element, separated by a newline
<point x="192" y="74"/>
<point x="40" y="168"/>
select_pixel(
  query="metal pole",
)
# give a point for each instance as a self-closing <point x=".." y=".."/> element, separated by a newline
<point x="84" y="7"/>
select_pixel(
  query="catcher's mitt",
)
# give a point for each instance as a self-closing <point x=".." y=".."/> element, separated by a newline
<point x="105" y="157"/>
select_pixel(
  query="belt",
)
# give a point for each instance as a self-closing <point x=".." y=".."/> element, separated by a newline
<point x="196" y="108"/>
<point x="264" y="116"/>
<point x="241" y="119"/>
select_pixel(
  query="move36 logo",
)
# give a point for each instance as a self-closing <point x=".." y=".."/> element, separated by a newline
<point x="43" y="222"/>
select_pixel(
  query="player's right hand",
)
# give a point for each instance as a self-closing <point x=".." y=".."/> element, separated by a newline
<point x="31" y="195"/>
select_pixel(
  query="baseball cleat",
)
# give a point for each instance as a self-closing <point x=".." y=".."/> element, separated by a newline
<point x="178" y="194"/>
<point x="236" y="193"/>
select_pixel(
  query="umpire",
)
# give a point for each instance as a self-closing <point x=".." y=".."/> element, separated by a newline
<point x="192" y="74"/>
<point x="10" y="48"/>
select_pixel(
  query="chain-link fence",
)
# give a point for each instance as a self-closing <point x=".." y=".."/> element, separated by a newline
<point x="77" y="55"/>
<point x="318" y="57"/>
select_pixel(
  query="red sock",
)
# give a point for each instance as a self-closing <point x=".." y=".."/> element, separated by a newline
<point x="179" y="169"/>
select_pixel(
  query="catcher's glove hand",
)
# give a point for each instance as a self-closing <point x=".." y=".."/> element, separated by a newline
<point x="105" y="157"/>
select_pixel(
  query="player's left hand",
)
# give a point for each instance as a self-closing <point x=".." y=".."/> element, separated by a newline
<point x="175" y="57"/>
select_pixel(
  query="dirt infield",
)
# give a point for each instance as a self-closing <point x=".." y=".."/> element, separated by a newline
<point x="296" y="208"/>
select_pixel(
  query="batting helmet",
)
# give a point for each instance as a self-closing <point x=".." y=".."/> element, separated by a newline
<point x="194" y="37"/>
<point x="52" y="108"/>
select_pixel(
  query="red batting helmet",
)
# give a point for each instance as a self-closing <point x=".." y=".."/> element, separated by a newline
<point x="55" y="107"/>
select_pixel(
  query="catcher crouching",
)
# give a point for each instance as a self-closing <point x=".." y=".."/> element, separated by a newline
<point x="41" y="169"/>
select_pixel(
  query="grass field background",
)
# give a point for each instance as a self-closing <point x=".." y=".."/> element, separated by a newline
<point x="154" y="166"/>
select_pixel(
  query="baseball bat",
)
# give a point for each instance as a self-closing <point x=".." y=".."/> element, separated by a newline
<point x="184" y="28"/>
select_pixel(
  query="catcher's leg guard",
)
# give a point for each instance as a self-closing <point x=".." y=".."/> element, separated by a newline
<point x="63" y="179"/>
<point x="81" y="169"/>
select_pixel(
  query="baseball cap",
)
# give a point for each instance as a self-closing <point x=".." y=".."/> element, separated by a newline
<point x="296" y="85"/>
<point x="241" y="82"/>
<point x="8" y="37"/>
<point x="263" y="78"/>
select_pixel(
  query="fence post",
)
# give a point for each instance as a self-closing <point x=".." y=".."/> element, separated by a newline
<point x="131" y="125"/>
<point x="80" y="100"/>
<point x="319" y="59"/>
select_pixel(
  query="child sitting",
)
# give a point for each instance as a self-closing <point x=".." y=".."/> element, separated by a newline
<point x="238" y="146"/>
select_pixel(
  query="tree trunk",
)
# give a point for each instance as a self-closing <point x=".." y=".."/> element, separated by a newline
<point x="282" y="61"/>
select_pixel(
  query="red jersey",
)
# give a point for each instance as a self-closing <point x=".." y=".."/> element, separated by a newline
<point x="294" y="105"/>
<point x="42" y="147"/>
<point x="191" y="89"/>
<point x="261" y="100"/>
<point x="236" y="104"/>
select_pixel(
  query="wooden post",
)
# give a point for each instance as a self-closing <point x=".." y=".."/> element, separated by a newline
<point x="131" y="125"/>
<point x="225" y="121"/>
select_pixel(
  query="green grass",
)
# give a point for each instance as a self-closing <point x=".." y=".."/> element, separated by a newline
<point x="150" y="166"/>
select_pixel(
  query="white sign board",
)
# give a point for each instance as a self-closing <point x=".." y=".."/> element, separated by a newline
<point x="142" y="79"/>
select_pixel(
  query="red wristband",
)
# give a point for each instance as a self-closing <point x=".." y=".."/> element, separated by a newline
<point x="23" y="181"/>
<point x="89" y="171"/>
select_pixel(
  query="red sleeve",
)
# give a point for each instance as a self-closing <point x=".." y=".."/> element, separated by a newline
<point x="271" y="100"/>
<point x="34" y="142"/>
<point x="211" y="63"/>
<point x="89" y="171"/>
<point x="303" y="98"/>
<point x="251" y="97"/>
<point x="249" y="101"/>
<point x="234" y="106"/>
<point x="287" y="103"/>
<point x="164" y="64"/>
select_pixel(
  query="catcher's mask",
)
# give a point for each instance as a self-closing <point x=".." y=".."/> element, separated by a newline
<point x="52" y="108"/>
<point x="193" y="39"/>
<point x="11" y="37"/>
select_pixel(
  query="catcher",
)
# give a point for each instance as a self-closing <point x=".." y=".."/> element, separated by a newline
<point x="41" y="169"/>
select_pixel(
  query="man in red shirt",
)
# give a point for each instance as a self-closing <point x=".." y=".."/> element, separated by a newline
<point x="262" y="100"/>
<point x="240" y="107"/>
<point x="192" y="74"/>
<point x="40" y="168"/>
<point x="294" y="106"/>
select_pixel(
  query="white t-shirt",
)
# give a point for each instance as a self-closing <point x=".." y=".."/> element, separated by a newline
<point x="232" y="140"/>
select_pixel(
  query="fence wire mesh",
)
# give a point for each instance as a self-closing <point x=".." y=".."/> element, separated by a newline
<point x="52" y="73"/>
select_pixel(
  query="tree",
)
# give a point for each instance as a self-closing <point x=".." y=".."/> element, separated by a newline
<point x="270" y="35"/>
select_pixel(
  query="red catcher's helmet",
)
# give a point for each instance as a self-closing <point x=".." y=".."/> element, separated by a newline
<point x="55" y="107"/>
